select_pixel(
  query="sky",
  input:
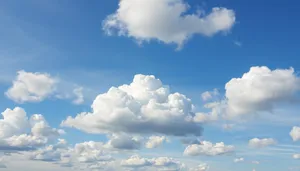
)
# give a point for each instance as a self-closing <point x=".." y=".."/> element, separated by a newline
<point x="149" y="85"/>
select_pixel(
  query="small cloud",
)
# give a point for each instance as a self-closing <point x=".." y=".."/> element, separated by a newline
<point x="238" y="43"/>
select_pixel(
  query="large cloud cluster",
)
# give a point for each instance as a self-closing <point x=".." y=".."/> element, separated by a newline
<point x="17" y="132"/>
<point x="166" y="21"/>
<point x="145" y="106"/>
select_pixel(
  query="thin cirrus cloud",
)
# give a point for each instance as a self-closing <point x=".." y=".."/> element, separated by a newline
<point x="166" y="21"/>
<point x="145" y="106"/>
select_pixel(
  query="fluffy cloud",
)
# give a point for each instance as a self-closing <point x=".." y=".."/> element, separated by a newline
<point x="237" y="160"/>
<point x="161" y="163"/>
<point x="295" y="133"/>
<point x="155" y="141"/>
<point x="31" y="87"/>
<point x="296" y="156"/>
<point x="166" y="21"/>
<point x="202" y="167"/>
<point x="260" y="143"/>
<point x="17" y="132"/>
<point x="208" y="149"/>
<point x="260" y="89"/>
<point x="145" y="106"/>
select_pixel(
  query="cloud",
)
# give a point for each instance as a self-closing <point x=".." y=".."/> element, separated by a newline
<point x="163" y="163"/>
<point x="31" y="87"/>
<point x="79" y="96"/>
<point x="124" y="142"/>
<point x="295" y="133"/>
<point x="208" y="149"/>
<point x="155" y="141"/>
<point x="296" y="156"/>
<point x="259" y="90"/>
<point x="18" y="133"/>
<point x="208" y="95"/>
<point x="146" y="106"/>
<point x="202" y="167"/>
<point x="261" y="143"/>
<point x="166" y="21"/>
<point x="238" y="160"/>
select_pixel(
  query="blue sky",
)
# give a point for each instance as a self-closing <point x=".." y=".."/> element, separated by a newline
<point x="67" y="42"/>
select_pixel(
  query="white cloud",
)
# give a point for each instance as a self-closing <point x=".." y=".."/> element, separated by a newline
<point x="260" y="143"/>
<point x="295" y="133"/>
<point x="155" y="141"/>
<point x="202" y="167"/>
<point x="238" y="160"/>
<point x="17" y="132"/>
<point x="79" y="95"/>
<point x="208" y="149"/>
<point x="145" y="107"/>
<point x="208" y="95"/>
<point x="166" y="21"/>
<point x="163" y="163"/>
<point x="31" y="87"/>
<point x="296" y="156"/>
<point x="260" y="89"/>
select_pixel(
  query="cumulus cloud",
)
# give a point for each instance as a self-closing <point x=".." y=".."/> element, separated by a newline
<point x="31" y="87"/>
<point x="162" y="163"/>
<point x="124" y="142"/>
<point x="166" y="21"/>
<point x="260" y="89"/>
<point x="295" y="133"/>
<point x="17" y="132"/>
<point x="208" y="149"/>
<point x="260" y="143"/>
<point x="155" y="141"/>
<point x="145" y="106"/>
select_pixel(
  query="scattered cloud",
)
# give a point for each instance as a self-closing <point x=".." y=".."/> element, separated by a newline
<point x="295" y="133"/>
<point x="208" y="95"/>
<point x="208" y="149"/>
<point x="238" y="160"/>
<point x="79" y="96"/>
<point x="133" y="19"/>
<point x="31" y="87"/>
<point x="296" y="156"/>
<point x="261" y="143"/>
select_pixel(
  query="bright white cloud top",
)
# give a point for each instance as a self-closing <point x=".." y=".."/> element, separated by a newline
<point x="209" y="149"/>
<point x="261" y="143"/>
<point x="295" y="133"/>
<point x="145" y="106"/>
<point x="166" y="21"/>
<point x="31" y="87"/>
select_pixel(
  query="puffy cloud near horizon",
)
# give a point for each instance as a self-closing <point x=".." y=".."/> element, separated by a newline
<point x="161" y="163"/>
<point x="238" y="160"/>
<point x="296" y="156"/>
<point x="261" y="143"/>
<point x="202" y="167"/>
<point x="145" y="106"/>
<point x="259" y="90"/>
<point x="19" y="133"/>
<point x="31" y="87"/>
<point x="295" y="133"/>
<point x="168" y="19"/>
<point x="209" y="149"/>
